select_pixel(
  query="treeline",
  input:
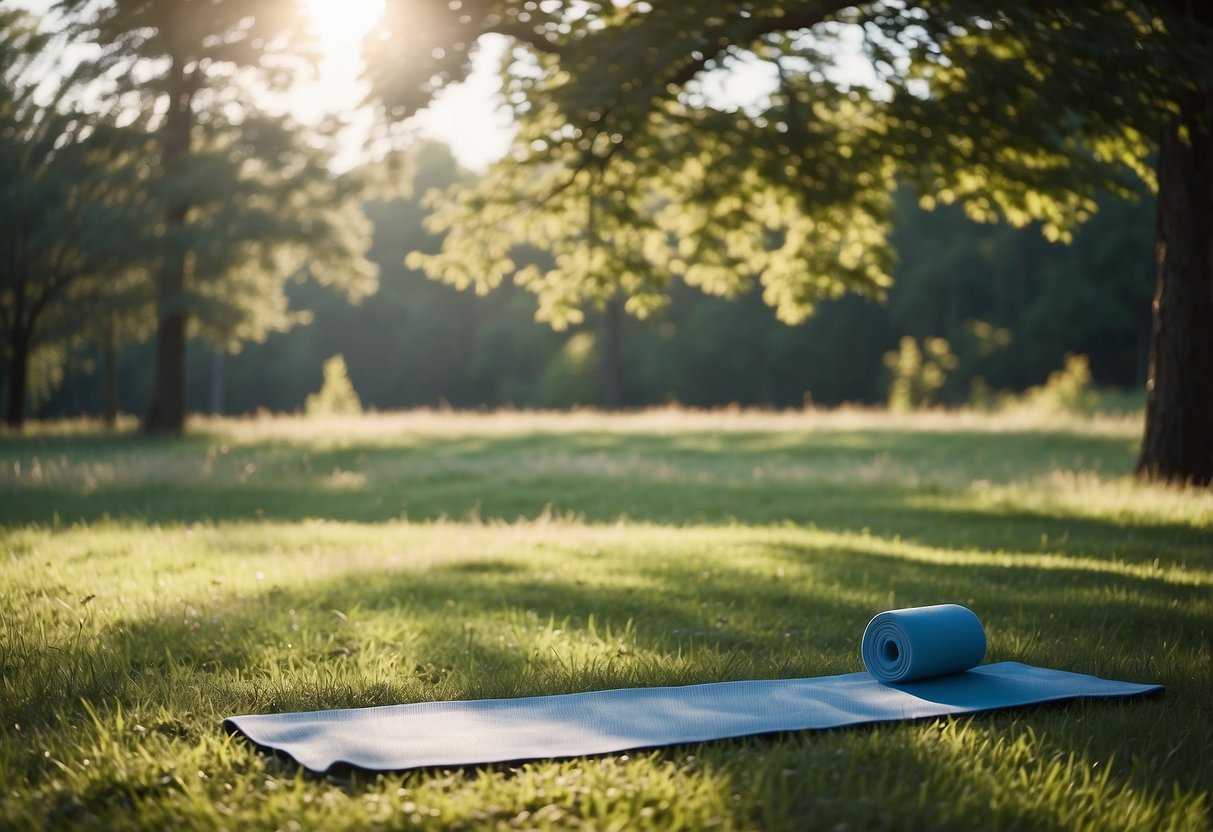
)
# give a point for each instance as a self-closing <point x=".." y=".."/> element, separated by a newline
<point x="1010" y="305"/>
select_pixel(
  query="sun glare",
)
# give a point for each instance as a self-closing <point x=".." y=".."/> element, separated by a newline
<point x="466" y="116"/>
<point x="340" y="25"/>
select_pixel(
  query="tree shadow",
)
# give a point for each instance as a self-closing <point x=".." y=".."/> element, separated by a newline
<point x="482" y="628"/>
<point x="516" y="629"/>
<point x="905" y="484"/>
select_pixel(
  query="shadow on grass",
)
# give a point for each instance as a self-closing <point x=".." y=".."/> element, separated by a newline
<point x="908" y="484"/>
<point x="468" y="629"/>
<point x="508" y="627"/>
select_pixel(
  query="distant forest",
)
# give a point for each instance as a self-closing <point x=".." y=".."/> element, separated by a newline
<point x="1010" y="304"/>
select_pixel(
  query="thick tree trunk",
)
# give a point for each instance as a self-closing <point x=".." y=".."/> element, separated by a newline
<point x="1178" y="442"/>
<point x="612" y="352"/>
<point x="166" y="413"/>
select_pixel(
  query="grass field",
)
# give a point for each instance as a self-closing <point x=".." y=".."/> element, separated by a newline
<point x="151" y="587"/>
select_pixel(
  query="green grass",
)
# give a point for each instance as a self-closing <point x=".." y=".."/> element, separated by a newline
<point x="150" y="588"/>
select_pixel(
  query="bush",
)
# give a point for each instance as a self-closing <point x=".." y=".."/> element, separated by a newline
<point x="337" y="396"/>
<point x="1068" y="390"/>
<point x="918" y="373"/>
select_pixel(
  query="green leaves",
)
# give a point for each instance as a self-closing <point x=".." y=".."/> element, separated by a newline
<point x="245" y="198"/>
<point x="1020" y="114"/>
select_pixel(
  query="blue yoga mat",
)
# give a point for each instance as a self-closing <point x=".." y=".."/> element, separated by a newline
<point x="921" y="662"/>
<point x="921" y="642"/>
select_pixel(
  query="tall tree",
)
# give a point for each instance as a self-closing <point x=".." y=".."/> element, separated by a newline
<point x="62" y="232"/>
<point x="1178" y="441"/>
<point x="246" y="198"/>
<point x="1019" y="111"/>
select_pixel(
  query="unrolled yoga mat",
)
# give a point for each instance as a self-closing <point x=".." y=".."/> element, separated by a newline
<point x="921" y="663"/>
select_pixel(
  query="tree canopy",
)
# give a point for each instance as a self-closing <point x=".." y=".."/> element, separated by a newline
<point x="971" y="104"/>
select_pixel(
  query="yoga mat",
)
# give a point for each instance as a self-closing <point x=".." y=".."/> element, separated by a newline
<point x="397" y="737"/>
<point x="921" y="642"/>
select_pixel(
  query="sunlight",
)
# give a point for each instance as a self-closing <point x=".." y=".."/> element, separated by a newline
<point x="469" y="117"/>
<point x="336" y="88"/>
<point x="466" y="116"/>
<point x="339" y="26"/>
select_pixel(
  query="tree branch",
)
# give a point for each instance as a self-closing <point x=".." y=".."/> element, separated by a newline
<point x="63" y="277"/>
<point x="526" y="34"/>
<point x="808" y="16"/>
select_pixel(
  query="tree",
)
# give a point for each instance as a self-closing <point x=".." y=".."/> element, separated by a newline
<point x="23" y="150"/>
<point x="245" y="198"/>
<point x="1022" y="112"/>
<point x="63" y="232"/>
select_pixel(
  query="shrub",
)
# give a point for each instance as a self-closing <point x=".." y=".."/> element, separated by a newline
<point x="1067" y="390"/>
<point x="918" y="372"/>
<point x="337" y="396"/>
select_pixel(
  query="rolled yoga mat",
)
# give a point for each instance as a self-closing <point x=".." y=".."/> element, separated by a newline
<point x="921" y="662"/>
<point x="921" y="642"/>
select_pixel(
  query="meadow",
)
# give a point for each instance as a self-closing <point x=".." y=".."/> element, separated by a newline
<point x="151" y="587"/>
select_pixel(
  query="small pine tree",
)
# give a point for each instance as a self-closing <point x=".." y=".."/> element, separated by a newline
<point x="337" y="397"/>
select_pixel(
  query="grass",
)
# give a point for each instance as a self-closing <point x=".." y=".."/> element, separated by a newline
<point x="151" y="588"/>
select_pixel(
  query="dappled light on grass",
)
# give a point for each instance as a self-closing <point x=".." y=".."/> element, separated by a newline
<point x="388" y="427"/>
<point x="417" y="565"/>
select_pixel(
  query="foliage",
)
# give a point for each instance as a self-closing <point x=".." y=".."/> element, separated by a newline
<point x="989" y="338"/>
<point x="954" y="278"/>
<point x="46" y="367"/>
<point x="261" y="203"/>
<point x="244" y="198"/>
<point x="967" y="282"/>
<point x="1068" y="390"/>
<point x="68" y="213"/>
<point x="1021" y="112"/>
<point x="622" y="148"/>
<point x="918" y="372"/>
<point x="337" y="396"/>
<point x="676" y="548"/>
<point x="418" y="342"/>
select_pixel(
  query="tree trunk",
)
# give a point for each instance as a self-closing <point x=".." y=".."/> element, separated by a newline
<point x="217" y="382"/>
<point x="166" y="412"/>
<point x="18" y="360"/>
<point x="612" y="343"/>
<point x="109" y="370"/>
<point x="18" y="373"/>
<point x="1178" y="442"/>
